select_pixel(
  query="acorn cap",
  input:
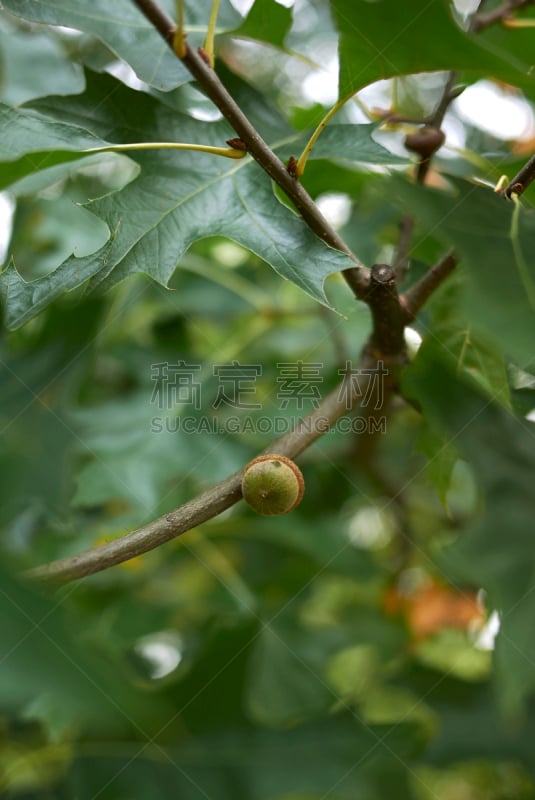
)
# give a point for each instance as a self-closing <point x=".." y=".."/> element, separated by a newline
<point x="272" y="484"/>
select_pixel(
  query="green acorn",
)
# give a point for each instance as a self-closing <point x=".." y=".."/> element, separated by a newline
<point x="272" y="484"/>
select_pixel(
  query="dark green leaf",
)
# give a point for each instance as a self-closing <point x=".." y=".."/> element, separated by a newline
<point x="500" y="275"/>
<point x="42" y="656"/>
<point x="36" y="430"/>
<point x="496" y="553"/>
<point x="417" y="37"/>
<point x="267" y="21"/>
<point x="287" y="684"/>
<point x="339" y="756"/>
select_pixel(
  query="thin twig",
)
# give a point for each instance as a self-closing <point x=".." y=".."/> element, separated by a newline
<point x="435" y="121"/>
<point x="481" y="21"/>
<point x="415" y="297"/>
<point x="448" y="94"/>
<point x="302" y="160"/>
<point x="209" y="48"/>
<point x="390" y="117"/>
<point x="522" y="180"/>
<point x="213" y="501"/>
<point x="357" y="279"/>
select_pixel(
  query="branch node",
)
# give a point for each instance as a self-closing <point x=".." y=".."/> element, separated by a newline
<point x="381" y="274"/>
<point x="522" y="180"/>
<point x="415" y="297"/>
<point x="179" y="44"/>
<point x="291" y="167"/>
<point x="236" y="143"/>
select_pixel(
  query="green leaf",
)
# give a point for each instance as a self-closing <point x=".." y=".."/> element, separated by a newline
<point x="500" y="276"/>
<point x="267" y="21"/>
<point x="138" y="452"/>
<point x="516" y="44"/>
<point x="496" y="553"/>
<point x="417" y="37"/>
<point x="125" y="30"/>
<point x="253" y="764"/>
<point x="177" y="199"/>
<point x="346" y="143"/>
<point x="35" y="428"/>
<point x="472" y="728"/>
<point x="52" y="229"/>
<point x="441" y="458"/>
<point x="286" y="683"/>
<point x="44" y="655"/>
<point x="29" y="143"/>
<point x="47" y="71"/>
<point x="479" y="357"/>
<point x="450" y="651"/>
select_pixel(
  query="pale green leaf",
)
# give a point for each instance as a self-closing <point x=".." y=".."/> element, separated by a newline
<point x="124" y="29"/>
<point x="47" y="71"/>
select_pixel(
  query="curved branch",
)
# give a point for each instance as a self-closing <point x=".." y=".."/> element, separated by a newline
<point x="357" y="278"/>
<point x="449" y="93"/>
<point x="415" y="297"/>
<point x="211" y="502"/>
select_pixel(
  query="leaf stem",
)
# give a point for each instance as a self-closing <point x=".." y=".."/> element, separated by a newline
<point x="179" y="39"/>
<point x="523" y="269"/>
<point x="226" y="152"/>
<point x="210" y="33"/>
<point x="513" y="22"/>
<point x="303" y="158"/>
